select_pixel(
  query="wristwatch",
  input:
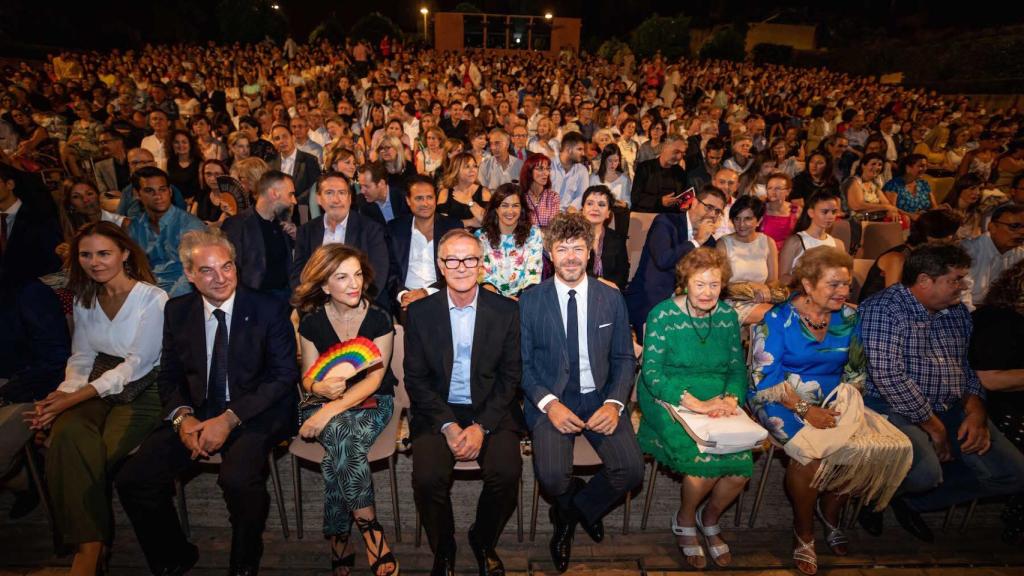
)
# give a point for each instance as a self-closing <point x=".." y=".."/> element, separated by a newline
<point x="471" y="203"/>
<point x="801" y="408"/>
<point x="176" y="423"/>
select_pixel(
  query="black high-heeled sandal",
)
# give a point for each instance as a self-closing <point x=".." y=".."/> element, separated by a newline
<point x="375" y="547"/>
<point x="338" y="557"/>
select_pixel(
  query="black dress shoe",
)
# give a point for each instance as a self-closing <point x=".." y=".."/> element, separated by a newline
<point x="871" y="521"/>
<point x="186" y="562"/>
<point x="486" y="557"/>
<point x="564" y="524"/>
<point x="911" y="521"/>
<point x="595" y="530"/>
<point x="444" y="563"/>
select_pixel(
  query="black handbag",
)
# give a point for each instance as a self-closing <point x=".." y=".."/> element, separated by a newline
<point x="132" y="390"/>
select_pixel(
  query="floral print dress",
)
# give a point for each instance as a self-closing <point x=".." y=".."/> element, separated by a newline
<point x="784" y="350"/>
<point x="511" y="268"/>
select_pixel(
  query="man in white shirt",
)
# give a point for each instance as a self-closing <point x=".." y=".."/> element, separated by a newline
<point x="994" y="252"/>
<point x="726" y="180"/>
<point x="500" y="167"/>
<point x="578" y="367"/>
<point x="155" y="142"/>
<point x="569" y="174"/>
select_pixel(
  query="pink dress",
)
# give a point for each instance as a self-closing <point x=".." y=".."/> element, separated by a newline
<point x="779" y="228"/>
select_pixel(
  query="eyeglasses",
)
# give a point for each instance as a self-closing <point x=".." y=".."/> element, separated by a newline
<point x="1013" y="226"/>
<point x="714" y="210"/>
<point x="453" y="263"/>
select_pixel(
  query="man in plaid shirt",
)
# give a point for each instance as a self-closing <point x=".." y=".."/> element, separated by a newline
<point x="916" y="337"/>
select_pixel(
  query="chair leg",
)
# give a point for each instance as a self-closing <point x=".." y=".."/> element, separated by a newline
<point x="948" y="518"/>
<point x="533" y="510"/>
<point x="519" y="511"/>
<point x="967" y="517"/>
<point x="44" y="496"/>
<point x="650" y="494"/>
<point x="297" y="489"/>
<point x="761" y="486"/>
<point x="394" y="498"/>
<point x="625" y="512"/>
<point x="179" y="488"/>
<point x="739" y="510"/>
<point x="275" y="477"/>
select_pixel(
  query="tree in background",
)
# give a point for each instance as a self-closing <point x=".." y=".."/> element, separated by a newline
<point x="248" y="21"/>
<point x="727" y="43"/>
<point x="669" y="34"/>
<point x="373" y="27"/>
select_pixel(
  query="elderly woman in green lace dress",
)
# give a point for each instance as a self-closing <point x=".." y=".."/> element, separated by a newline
<point x="693" y="357"/>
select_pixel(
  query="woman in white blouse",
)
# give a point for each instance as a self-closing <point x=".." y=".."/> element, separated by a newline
<point x="611" y="173"/>
<point x="108" y="402"/>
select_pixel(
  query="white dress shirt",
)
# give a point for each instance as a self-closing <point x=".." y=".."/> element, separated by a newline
<point x="12" y="213"/>
<point x="288" y="162"/>
<point x="587" y="384"/>
<point x="336" y="236"/>
<point x="211" y="333"/>
<point x="422" y="272"/>
<point x="135" y="334"/>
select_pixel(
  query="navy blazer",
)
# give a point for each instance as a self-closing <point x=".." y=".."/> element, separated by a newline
<point x="371" y="210"/>
<point x="262" y="371"/>
<point x="400" y="241"/>
<point x="31" y="244"/>
<point x="361" y="233"/>
<point x="495" y="366"/>
<point x="306" y="173"/>
<point x="243" y="229"/>
<point x="655" y="278"/>
<point x="545" y="352"/>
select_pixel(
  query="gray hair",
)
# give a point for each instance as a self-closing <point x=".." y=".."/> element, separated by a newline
<point x="194" y="239"/>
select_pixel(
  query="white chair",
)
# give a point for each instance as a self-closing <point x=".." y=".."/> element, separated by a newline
<point x="383" y="450"/>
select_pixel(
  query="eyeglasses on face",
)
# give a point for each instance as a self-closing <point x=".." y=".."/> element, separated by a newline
<point x="715" y="210"/>
<point x="452" y="263"/>
<point x="1012" y="226"/>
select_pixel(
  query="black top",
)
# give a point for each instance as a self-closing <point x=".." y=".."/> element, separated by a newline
<point x="276" y="249"/>
<point x="804" y="187"/>
<point x="206" y="210"/>
<point x="186" y="179"/>
<point x="316" y="328"/>
<point x="875" y="280"/>
<point x="995" y="345"/>
<point x="452" y="208"/>
<point x="652" y="182"/>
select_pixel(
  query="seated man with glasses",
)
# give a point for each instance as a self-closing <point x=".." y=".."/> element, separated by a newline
<point x="671" y="237"/>
<point x="915" y="337"/>
<point x="995" y="251"/>
<point x="462" y="372"/>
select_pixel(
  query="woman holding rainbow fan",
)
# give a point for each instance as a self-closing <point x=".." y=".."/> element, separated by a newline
<point x="346" y="344"/>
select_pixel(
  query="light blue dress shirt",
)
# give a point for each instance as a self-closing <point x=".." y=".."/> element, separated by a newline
<point x="162" y="247"/>
<point x="463" y="322"/>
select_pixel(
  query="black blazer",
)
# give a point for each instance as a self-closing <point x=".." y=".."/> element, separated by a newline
<point x="400" y="241"/>
<point x="215" y="100"/>
<point x="306" y="173"/>
<point x="372" y="211"/>
<point x="31" y="242"/>
<point x="614" y="259"/>
<point x="243" y="229"/>
<point x="262" y="371"/>
<point x="360" y="233"/>
<point x="495" y="371"/>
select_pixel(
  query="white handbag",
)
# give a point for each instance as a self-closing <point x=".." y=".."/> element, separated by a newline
<point x="722" y="435"/>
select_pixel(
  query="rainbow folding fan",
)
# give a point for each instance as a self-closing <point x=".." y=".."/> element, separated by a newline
<point x="345" y="359"/>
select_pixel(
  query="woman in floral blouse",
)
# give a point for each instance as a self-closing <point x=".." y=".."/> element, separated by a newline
<point x="513" y="248"/>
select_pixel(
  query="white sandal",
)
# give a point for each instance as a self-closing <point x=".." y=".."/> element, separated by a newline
<point x="689" y="551"/>
<point x="718" y="550"/>
<point x="804" y="552"/>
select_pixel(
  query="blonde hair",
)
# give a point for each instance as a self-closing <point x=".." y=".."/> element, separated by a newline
<point x="252" y="168"/>
<point x="698" y="261"/>
<point x="814" y="262"/>
<point x="451" y="173"/>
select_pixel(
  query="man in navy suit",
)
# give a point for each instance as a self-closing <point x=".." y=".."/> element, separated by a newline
<point x="340" y="224"/>
<point x="227" y="377"/>
<point x="380" y="201"/>
<point x="414" y="240"/>
<point x="578" y="368"/>
<point x="671" y="237"/>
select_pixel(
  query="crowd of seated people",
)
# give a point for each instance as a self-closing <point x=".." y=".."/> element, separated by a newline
<point x="165" y="212"/>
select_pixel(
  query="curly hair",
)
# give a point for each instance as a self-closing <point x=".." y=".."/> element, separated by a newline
<point x="567" y="226"/>
<point x="698" y="261"/>
<point x="1008" y="289"/>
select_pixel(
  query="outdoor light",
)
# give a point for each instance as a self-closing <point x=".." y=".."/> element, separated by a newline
<point x="424" y="10"/>
<point x="275" y="6"/>
<point x="548" y="16"/>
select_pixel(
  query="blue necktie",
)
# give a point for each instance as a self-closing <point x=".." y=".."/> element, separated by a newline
<point x="216" y="392"/>
<point x="572" y="340"/>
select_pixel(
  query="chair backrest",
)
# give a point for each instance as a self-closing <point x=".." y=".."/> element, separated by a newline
<point x="841" y="231"/>
<point x="861" y="267"/>
<point x="639" y="224"/>
<point x="877" y="237"/>
<point x="583" y="454"/>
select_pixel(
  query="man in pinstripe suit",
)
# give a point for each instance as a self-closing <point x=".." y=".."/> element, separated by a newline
<point x="578" y="369"/>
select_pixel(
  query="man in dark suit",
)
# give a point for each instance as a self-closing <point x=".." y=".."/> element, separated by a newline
<point x="28" y="235"/>
<point x="380" y="201"/>
<point x="212" y="97"/>
<point x="578" y="367"/>
<point x="264" y="236"/>
<point x="339" y="224"/>
<point x="671" y="237"/>
<point x="227" y="376"/>
<point x="462" y="370"/>
<point x="414" y="242"/>
<point x="301" y="166"/>
<point x="659" y="181"/>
